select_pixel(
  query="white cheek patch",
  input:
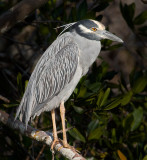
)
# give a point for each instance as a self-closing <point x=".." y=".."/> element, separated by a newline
<point x="100" y="25"/>
<point x="84" y="29"/>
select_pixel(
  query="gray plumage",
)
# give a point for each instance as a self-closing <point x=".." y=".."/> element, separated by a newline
<point x="61" y="66"/>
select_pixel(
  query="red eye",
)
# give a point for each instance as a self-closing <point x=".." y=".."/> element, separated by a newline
<point x="94" y="29"/>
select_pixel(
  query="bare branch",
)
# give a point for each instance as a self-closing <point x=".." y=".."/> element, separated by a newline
<point x="41" y="151"/>
<point x="41" y="136"/>
<point x="4" y="99"/>
<point x="67" y="129"/>
<point x="18" y="13"/>
<point x="144" y="1"/>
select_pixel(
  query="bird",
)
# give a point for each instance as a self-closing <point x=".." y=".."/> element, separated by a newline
<point x="59" y="70"/>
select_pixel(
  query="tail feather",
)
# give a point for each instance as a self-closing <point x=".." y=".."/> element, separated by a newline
<point x="23" y="111"/>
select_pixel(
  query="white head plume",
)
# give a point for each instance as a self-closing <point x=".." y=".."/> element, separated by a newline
<point x="66" y="26"/>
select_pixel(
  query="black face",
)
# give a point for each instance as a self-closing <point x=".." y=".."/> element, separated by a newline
<point x="84" y="29"/>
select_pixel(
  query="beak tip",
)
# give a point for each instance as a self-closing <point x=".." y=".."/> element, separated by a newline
<point x="121" y="41"/>
<point x="112" y="37"/>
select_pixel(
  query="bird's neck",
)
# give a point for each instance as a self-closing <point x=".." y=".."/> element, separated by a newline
<point x="89" y="51"/>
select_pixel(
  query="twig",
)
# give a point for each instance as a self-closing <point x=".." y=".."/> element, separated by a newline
<point x="144" y="1"/>
<point x="18" y="13"/>
<point x="4" y="99"/>
<point x="53" y="156"/>
<point x="41" y="136"/>
<point x="67" y="129"/>
<point x="40" y="153"/>
<point x="30" y="147"/>
<point x="11" y="84"/>
<point x="49" y="21"/>
<point x="15" y="41"/>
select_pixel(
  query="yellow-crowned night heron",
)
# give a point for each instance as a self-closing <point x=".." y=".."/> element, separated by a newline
<point x="59" y="70"/>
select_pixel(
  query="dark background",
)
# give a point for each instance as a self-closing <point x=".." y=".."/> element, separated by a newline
<point x="109" y="106"/>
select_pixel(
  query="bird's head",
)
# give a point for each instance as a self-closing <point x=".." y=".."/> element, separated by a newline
<point x="90" y="29"/>
<point x="93" y="30"/>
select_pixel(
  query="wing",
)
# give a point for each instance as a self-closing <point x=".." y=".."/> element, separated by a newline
<point x="53" y="71"/>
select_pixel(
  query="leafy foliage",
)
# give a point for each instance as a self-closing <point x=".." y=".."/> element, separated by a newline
<point x="109" y="116"/>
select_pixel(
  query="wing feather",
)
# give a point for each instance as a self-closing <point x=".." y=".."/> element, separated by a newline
<point x="52" y="73"/>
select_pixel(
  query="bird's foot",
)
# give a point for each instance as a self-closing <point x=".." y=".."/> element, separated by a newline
<point x="54" y="143"/>
<point x="66" y="145"/>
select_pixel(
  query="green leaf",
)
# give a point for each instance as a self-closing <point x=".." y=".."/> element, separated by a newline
<point x="137" y="115"/>
<point x="92" y="125"/>
<point x="96" y="134"/>
<point x="82" y="10"/>
<point x="76" y="134"/>
<point x="140" y="84"/>
<point x="106" y="42"/>
<point x="140" y="137"/>
<point x="105" y="68"/>
<point x="26" y="83"/>
<point x="126" y="98"/>
<point x="102" y="5"/>
<point x="123" y="83"/>
<point x="106" y="94"/>
<point x="78" y="109"/>
<point x="19" y="78"/>
<point x="19" y="83"/>
<point x="10" y="105"/>
<point x="128" y="13"/>
<point x="110" y="75"/>
<point x="113" y="104"/>
<point x="76" y="91"/>
<point x="94" y="87"/>
<point x="145" y="158"/>
<point x="131" y="10"/>
<point x="141" y="18"/>
<point x="113" y="47"/>
<point x="143" y="31"/>
<point x="44" y="29"/>
<point x="82" y="91"/>
<point x="113" y="139"/>
<point x="127" y="121"/>
<point x="100" y="98"/>
<point x="145" y="148"/>
<point x="99" y="17"/>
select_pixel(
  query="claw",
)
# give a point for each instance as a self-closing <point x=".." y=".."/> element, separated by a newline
<point x="66" y="145"/>
<point x="54" y="142"/>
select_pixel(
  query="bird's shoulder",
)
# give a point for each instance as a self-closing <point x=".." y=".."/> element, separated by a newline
<point x="62" y="47"/>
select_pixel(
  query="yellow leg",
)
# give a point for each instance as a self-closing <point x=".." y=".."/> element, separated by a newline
<point x="62" y="114"/>
<point x="54" y="129"/>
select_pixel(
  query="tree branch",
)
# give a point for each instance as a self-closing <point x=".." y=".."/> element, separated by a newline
<point x="17" y="13"/>
<point x="41" y="136"/>
<point x="144" y="1"/>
